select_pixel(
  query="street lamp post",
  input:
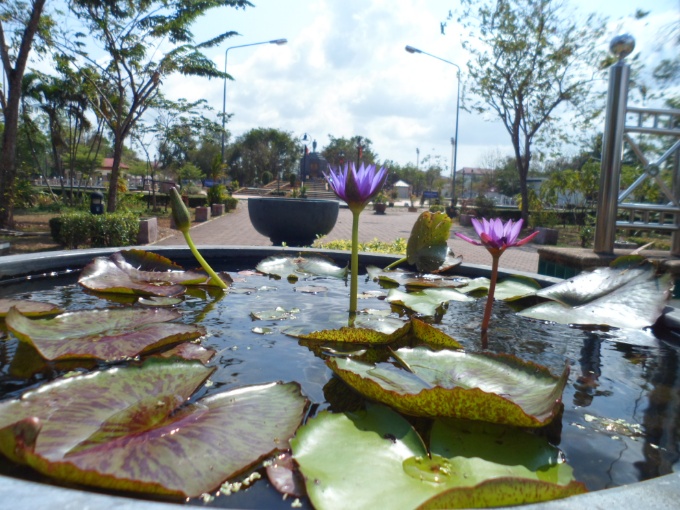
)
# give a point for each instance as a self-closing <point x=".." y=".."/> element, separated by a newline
<point x="224" y="92"/>
<point x="454" y="140"/>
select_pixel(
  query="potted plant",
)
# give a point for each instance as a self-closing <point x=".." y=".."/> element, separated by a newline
<point x="467" y="212"/>
<point x="380" y="203"/>
<point x="394" y="195"/>
<point x="412" y="207"/>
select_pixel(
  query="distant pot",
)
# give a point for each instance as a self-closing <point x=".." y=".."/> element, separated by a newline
<point x="466" y="220"/>
<point x="546" y="235"/>
<point x="412" y="209"/>
<point x="380" y="208"/>
<point x="293" y="221"/>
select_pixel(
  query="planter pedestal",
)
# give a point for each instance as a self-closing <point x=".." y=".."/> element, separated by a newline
<point x="546" y="236"/>
<point x="148" y="231"/>
<point x="202" y="213"/>
<point x="217" y="209"/>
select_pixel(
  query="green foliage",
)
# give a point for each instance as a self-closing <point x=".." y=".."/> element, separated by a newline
<point x="105" y="230"/>
<point x="116" y="229"/>
<point x="437" y="208"/>
<point x="344" y="150"/>
<point x="216" y="194"/>
<point x="397" y="247"/>
<point x="485" y="207"/>
<point x="230" y="203"/>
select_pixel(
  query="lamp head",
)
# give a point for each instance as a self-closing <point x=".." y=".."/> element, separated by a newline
<point x="411" y="49"/>
<point x="278" y="41"/>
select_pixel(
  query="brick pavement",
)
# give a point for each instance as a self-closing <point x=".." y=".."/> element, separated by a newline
<point x="235" y="229"/>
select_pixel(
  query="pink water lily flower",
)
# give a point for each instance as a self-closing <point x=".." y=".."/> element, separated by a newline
<point x="497" y="236"/>
<point x="356" y="188"/>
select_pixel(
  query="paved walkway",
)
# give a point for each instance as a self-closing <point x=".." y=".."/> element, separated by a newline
<point x="235" y="229"/>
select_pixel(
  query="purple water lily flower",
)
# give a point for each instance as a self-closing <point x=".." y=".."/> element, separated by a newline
<point x="357" y="188"/>
<point x="497" y="236"/>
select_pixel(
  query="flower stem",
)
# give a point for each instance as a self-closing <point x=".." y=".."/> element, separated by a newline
<point x="213" y="276"/>
<point x="354" y="264"/>
<point x="492" y="289"/>
<point x="396" y="263"/>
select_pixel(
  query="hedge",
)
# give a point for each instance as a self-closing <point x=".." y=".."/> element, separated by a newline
<point x="99" y="231"/>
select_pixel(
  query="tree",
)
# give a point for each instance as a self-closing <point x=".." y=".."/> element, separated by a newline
<point x="262" y="150"/>
<point x="345" y="150"/>
<point x="530" y="58"/>
<point x="19" y="24"/>
<point x="132" y="35"/>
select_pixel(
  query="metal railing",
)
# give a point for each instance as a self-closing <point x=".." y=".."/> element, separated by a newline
<point x="620" y="123"/>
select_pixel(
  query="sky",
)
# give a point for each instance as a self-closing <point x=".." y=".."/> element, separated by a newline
<point x="345" y="72"/>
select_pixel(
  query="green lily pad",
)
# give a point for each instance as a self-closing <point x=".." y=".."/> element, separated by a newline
<point x="367" y="330"/>
<point x="284" y="266"/>
<point x="374" y="459"/>
<point x="485" y="387"/>
<point x="277" y="314"/>
<point x="137" y="433"/>
<point x="516" y="287"/>
<point x="28" y="308"/>
<point x="107" y="334"/>
<point x="155" y="301"/>
<point x="427" y="246"/>
<point x="635" y="299"/>
<point x="432" y="336"/>
<point x="473" y="285"/>
<point x="425" y="302"/>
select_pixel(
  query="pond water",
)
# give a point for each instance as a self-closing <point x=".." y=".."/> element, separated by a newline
<point x="621" y="420"/>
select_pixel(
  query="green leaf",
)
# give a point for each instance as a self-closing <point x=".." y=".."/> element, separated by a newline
<point x="635" y="298"/>
<point x="107" y="334"/>
<point x="425" y="302"/>
<point x="516" y="287"/>
<point x="28" y="308"/>
<point x="432" y="336"/>
<point x="367" y="330"/>
<point x="136" y="433"/>
<point x="427" y="247"/>
<point x="374" y="459"/>
<point x="485" y="387"/>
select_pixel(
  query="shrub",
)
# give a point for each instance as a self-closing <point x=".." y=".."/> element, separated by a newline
<point x="74" y="229"/>
<point x="117" y="229"/>
<point x="486" y="208"/>
<point x="104" y="230"/>
<point x="437" y="208"/>
<point x="230" y="203"/>
<point x="216" y="194"/>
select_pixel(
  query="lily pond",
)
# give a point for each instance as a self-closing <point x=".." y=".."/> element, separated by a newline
<point x="253" y="398"/>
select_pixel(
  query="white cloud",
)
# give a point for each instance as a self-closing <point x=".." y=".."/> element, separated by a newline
<point x="345" y="72"/>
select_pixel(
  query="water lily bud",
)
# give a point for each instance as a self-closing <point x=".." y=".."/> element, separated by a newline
<point x="180" y="213"/>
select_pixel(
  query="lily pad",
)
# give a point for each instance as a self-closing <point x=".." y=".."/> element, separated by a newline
<point x="427" y="246"/>
<point x="107" y="334"/>
<point x="137" y="434"/>
<point x="413" y="280"/>
<point x="516" y="287"/>
<point x="367" y="330"/>
<point x="374" y="459"/>
<point x="28" y="308"/>
<point x="189" y="351"/>
<point x="635" y="299"/>
<point x="432" y="336"/>
<point x="425" y="302"/>
<point x="284" y="266"/>
<point x="485" y="387"/>
<point x="277" y="314"/>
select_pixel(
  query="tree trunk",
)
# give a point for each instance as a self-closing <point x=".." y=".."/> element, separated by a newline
<point x="112" y="199"/>
<point x="8" y="156"/>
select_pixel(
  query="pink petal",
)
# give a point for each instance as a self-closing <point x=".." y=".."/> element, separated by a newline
<point x="526" y="239"/>
<point x="466" y="238"/>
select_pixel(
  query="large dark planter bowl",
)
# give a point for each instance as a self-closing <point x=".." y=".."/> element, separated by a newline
<point x="293" y="221"/>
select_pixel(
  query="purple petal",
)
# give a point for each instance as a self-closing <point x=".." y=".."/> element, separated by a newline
<point x="527" y="239"/>
<point x="514" y="233"/>
<point x="479" y="228"/>
<point x="466" y="238"/>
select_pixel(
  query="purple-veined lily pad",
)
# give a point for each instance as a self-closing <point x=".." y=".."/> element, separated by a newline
<point x="147" y="266"/>
<point x="107" y="334"/>
<point x="103" y="275"/>
<point x="485" y="387"/>
<point x="634" y="298"/>
<point x="284" y="266"/>
<point x="155" y="301"/>
<point x="427" y="301"/>
<point x="374" y="459"/>
<point x="283" y="476"/>
<point x="131" y="429"/>
<point x="189" y="351"/>
<point x="28" y="308"/>
<point x="427" y="246"/>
